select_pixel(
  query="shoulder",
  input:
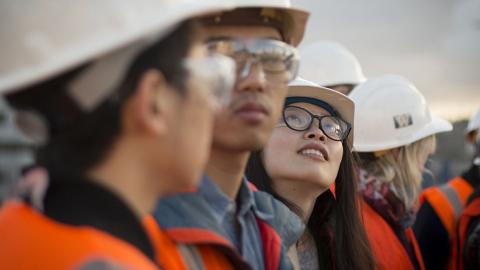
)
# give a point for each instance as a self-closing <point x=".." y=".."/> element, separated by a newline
<point x="26" y="232"/>
<point x="287" y="224"/>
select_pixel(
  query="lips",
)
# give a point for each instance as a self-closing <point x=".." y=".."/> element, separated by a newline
<point x="314" y="151"/>
<point x="251" y="112"/>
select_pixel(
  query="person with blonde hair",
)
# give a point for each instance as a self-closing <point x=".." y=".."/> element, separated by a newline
<point x="395" y="134"/>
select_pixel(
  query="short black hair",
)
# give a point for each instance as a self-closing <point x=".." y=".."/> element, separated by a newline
<point x="78" y="140"/>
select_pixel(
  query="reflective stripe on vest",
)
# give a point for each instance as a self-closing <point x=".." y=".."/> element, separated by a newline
<point x="453" y="199"/>
<point x="192" y="257"/>
<point x="448" y="201"/>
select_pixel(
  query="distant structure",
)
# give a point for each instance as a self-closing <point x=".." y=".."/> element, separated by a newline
<point x="15" y="150"/>
<point x="451" y="157"/>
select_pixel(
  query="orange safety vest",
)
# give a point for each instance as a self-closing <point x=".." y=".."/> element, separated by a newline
<point x="448" y="202"/>
<point x="30" y="240"/>
<point x="388" y="251"/>
<point x="472" y="211"/>
<point x="171" y="255"/>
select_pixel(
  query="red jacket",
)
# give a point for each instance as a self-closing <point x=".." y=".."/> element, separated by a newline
<point x="472" y="211"/>
<point x="388" y="251"/>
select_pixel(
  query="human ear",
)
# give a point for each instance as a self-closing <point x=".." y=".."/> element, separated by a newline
<point x="146" y="108"/>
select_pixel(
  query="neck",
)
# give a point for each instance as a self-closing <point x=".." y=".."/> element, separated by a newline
<point x="129" y="179"/>
<point x="226" y="169"/>
<point x="302" y="194"/>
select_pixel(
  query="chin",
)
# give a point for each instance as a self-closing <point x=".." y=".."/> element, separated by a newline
<point x="316" y="180"/>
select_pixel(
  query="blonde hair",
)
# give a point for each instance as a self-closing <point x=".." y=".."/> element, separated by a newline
<point x="402" y="169"/>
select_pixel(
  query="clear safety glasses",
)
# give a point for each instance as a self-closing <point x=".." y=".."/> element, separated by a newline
<point x="216" y="73"/>
<point x="300" y="119"/>
<point x="278" y="60"/>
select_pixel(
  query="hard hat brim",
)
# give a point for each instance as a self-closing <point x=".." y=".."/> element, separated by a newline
<point x="297" y="26"/>
<point x="342" y="104"/>
<point x="16" y="76"/>
<point x="437" y="125"/>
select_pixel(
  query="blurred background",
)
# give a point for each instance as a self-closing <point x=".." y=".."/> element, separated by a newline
<point x="433" y="43"/>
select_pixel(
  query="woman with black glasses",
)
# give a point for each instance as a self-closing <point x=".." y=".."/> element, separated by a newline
<point x="309" y="151"/>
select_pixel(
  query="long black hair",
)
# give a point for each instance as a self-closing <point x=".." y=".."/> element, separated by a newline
<point x="335" y="223"/>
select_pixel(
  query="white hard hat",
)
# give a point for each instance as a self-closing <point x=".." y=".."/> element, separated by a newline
<point x="391" y="112"/>
<point x="294" y="20"/>
<point x="474" y="122"/>
<point x="44" y="38"/>
<point x="328" y="63"/>
<point x="342" y="104"/>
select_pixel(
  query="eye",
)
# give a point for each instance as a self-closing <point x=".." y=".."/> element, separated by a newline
<point x="272" y="63"/>
<point x="296" y="118"/>
<point x="293" y="119"/>
<point x="333" y="127"/>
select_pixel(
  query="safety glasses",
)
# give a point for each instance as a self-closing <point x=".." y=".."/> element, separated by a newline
<point x="278" y="60"/>
<point x="300" y="119"/>
<point x="216" y="73"/>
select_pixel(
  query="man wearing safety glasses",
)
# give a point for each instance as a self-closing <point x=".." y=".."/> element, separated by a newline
<point x="251" y="228"/>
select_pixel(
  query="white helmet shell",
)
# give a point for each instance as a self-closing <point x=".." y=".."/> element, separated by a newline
<point x="391" y="112"/>
<point x="297" y="21"/>
<point x="328" y="63"/>
<point x="44" y="38"/>
<point x="474" y="122"/>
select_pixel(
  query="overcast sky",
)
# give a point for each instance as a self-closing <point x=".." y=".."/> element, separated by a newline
<point x="433" y="43"/>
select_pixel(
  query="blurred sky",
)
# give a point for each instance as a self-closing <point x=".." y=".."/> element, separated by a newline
<point x="433" y="43"/>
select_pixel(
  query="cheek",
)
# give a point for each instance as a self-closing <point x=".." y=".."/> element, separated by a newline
<point x="278" y="153"/>
<point x="422" y="160"/>
<point x="198" y="127"/>
<point x="336" y="154"/>
<point x="278" y="96"/>
<point x="194" y="136"/>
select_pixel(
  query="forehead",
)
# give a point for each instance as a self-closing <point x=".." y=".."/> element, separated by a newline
<point x="240" y="32"/>
<point x="314" y="109"/>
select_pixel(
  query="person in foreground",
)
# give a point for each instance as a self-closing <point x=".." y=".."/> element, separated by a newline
<point x="122" y="116"/>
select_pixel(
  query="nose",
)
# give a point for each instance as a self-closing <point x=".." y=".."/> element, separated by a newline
<point x="314" y="132"/>
<point x="251" y="78"/>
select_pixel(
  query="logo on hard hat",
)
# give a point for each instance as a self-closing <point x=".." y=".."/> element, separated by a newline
<point x="403" y="120"/>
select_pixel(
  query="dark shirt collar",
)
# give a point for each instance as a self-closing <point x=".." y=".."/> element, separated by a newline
<point x="85" y="203"/>
<point x="472" y="176"/>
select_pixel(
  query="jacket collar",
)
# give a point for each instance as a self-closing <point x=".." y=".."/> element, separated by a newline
<point x="191" y="210"/>
<point x="84" y="203"/>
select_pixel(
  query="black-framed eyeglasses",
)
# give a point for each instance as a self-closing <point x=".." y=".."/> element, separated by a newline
<point x="300" y="119"/>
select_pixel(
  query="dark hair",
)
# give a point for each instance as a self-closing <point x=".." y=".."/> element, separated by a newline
<point x="78" y="140"/>
<point x="335" y="223"/>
